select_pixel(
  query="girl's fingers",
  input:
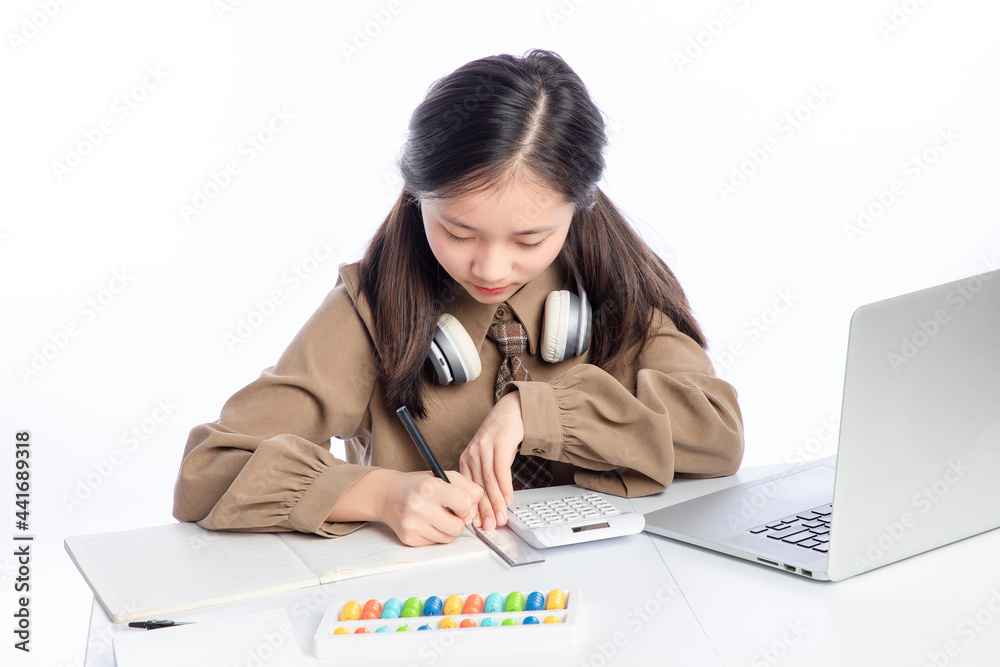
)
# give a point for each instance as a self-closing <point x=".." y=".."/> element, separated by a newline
<point x="463" y="494"/>
<point x="486" y="512"/>
<point x="431" y="511"/>
<point x="473" y="471"/>
<point x="505" y="491"/>
<point x="494" y="496"/>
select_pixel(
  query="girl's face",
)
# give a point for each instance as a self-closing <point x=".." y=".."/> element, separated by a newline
<point x="495" y="241"/>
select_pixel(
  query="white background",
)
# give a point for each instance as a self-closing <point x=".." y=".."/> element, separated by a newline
<point x="91" y="197"/>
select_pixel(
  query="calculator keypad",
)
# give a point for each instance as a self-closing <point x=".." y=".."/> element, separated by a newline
<point x="570" y="509"/>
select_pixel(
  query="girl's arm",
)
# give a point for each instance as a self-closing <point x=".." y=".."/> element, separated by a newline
<point x="266" y="464"/>
<point x="628" y="433"/>
<point x="420" y="508"/>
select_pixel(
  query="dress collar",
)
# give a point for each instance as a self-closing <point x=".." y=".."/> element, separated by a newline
<point x="525" y="305"/>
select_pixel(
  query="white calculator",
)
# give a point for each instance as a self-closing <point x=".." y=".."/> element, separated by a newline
<point x="571" y="520"/>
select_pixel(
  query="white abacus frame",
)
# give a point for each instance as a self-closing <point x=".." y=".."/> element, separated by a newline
<point x="328" y="645"/>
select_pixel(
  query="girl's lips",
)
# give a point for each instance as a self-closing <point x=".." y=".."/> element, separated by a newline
<point x="493" y="290"/>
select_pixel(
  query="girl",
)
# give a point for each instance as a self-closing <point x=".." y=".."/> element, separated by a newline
<point x="500" y="207"/>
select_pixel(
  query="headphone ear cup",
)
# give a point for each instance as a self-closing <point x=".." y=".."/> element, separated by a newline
<point x="453" y="356"/>
<point x="585" y="323"/>
<point x="566" y="325"/>
<point x="555" y="326"/>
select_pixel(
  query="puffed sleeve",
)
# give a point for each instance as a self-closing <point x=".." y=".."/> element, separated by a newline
<point x="266" y="465"/>
<point x="629" y="435"/>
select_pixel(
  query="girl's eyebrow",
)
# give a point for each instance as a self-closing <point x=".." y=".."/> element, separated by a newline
<point x="527" y="232"/>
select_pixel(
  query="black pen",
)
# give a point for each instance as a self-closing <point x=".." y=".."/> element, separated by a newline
<point x="425" y="450"/>
<point x="156" y="625"/>
<point x="421" y="443"/>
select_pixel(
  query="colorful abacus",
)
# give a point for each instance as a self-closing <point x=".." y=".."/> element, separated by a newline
<point x="476" y="621"/>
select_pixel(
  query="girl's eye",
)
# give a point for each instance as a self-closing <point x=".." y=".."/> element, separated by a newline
<point x="531" y="246"/>
<point x="457" y="239"/>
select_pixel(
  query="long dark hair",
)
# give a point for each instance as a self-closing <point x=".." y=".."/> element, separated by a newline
<point x="481" y="126"/>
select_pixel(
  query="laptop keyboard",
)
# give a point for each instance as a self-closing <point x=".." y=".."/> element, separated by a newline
<point x="809" y="530"/>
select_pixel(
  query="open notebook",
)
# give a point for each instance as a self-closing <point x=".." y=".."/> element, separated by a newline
<point x="154" y="572"/>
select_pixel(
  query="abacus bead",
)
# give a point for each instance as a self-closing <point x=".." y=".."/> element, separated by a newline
<point x="392" y="608"/>
<point x="509" y="621"/>
<point x="488" y="622"/>
<point x="373" y="608"/>
<point x="403" y="628"/>
<point x="433" y="606"/>
<point x="534" y="602"/>
<point x="453" y="605"/>
<point x="341" y="631"/>
<point x="351" y="611"/>
<point x="557" y="599"/>
<point x="384" y="628"/>
<point x="531" y="620"/>
<point x="473" y="604"/>
<point x="468" y="623"/>
<point x="412" y="608"/>
<point x="424" y="627"/>
<point x="515" y="602"/>
<point x="447" y="623"/>
<point x="493" y="604"/>
<point x="552" y="619"/>
<point x="362" y="631"/>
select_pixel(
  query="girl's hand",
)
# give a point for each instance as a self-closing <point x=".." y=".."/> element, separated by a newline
<point x="416" y="505"/>
<point x="486" y="461"/>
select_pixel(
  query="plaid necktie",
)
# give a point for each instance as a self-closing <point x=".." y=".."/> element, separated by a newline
<point x="527" y="472"/>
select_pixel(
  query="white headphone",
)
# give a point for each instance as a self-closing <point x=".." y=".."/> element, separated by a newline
<point x="566" y="324"/>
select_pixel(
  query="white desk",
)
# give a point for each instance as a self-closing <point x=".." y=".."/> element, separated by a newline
<point x="631" y="605"/>
<point x="900" y="614"/>
<point x="941" y="606"/>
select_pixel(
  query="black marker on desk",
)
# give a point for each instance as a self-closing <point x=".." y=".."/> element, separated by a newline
<point x="156" y="625"/>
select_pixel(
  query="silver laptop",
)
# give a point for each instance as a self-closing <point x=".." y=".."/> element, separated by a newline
<point x="918" y="459"/>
